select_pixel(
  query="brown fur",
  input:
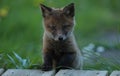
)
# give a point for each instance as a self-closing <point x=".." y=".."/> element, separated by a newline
<point x="59" y="53"/>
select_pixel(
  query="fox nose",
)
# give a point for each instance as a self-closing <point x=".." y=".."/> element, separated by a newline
<point x="60" y="38"/>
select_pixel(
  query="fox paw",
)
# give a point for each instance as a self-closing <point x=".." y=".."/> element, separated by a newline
<point x="46" y="68"/>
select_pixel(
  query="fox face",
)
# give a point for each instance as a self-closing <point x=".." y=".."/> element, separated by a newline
<point x="58" y="23"/>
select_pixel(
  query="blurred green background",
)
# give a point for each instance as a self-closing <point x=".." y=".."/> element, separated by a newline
<point x="97" y="22"/>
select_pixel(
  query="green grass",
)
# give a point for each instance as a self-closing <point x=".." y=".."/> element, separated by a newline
<point x="21" y="27"/>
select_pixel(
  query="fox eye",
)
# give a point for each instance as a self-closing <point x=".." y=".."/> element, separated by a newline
<point x="66" y="26"/>
<point x="52" y="27"/>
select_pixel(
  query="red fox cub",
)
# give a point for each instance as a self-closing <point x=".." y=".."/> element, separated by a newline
<point x="60" y="50"/>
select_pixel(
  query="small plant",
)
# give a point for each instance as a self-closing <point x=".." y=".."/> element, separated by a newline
<point x="19" y="62"/>
<point x="91" y="51"/>
<point x="93" y="58"/>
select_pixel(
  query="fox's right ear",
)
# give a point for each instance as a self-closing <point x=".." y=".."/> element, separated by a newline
<point x="46" y="11"/>
<point x="69" y="10"/>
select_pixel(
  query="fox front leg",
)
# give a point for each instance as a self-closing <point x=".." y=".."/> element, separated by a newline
<point x="66" y="61"/>
<point x="47" y="65"/>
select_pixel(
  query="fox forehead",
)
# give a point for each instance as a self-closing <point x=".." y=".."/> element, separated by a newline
<point x="58" y="21"/>
<point x="57" y="17"/>
<point x="57" y="12"/>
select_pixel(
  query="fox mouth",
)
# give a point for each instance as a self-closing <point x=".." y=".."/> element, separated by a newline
<point x="62" y="37"/>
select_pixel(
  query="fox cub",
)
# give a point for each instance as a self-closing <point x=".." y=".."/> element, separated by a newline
<point x="60" y="50"/>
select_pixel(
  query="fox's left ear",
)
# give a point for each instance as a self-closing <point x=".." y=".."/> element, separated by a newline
<point x="46" y="11"/>
<point x="69" y="10"/>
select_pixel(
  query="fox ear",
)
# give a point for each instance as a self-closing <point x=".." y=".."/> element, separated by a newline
<point x="45" y="10"/>
<point x="69" y="10"/>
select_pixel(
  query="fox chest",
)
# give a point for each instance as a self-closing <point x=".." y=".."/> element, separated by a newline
<point x="60" y="49"/>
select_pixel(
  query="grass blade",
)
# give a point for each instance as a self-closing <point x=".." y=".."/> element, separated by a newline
<point x="12" y="60"/>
